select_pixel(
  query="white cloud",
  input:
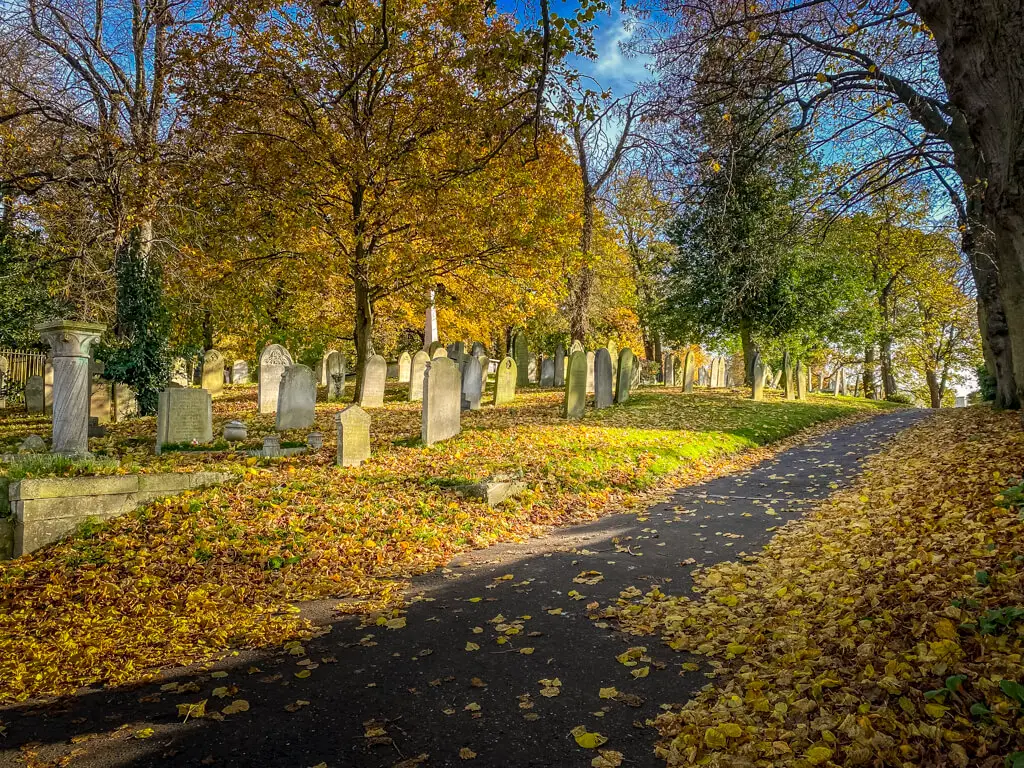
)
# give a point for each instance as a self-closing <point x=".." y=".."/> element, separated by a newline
<point x="613" y="67"/>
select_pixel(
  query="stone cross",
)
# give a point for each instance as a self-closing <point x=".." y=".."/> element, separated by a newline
<point x="296" y="398"/>
<point x="416" y="369"/>
<point x="603" y="390"/>
<point x="374" y="377"/>
<point x="442" y="409"/>
<point x="353" y="428"/>
<point x="505" y="382"/>
<point x="70" y="343"/>
<point x="575" y="387"/>
<point x="273" y="360"/>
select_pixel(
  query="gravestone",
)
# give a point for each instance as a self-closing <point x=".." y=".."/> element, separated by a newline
<point x="576" y="346"/>
<point x="478" y="349"/>
<point x="239" y="372"/>
<point x="374" y="378"/>
<point x="485" y="364"/>
<point x="457" y="352"/>
<point x="392" y="370"/>
<point x="559" y="378"/>
<point x="801" y="380"/>
<point x="788" y="387"/>
<point x="273" y="360"/>
<point x="183" y="416"/>
<point x="101" y="396"/>
<point x="471" y="381"/>
<point x="521" y="354"/>
<point x="603" y="390"/>
<point x="335" y="376"/>
<point x="179" y="372"/>
<point x="590" y="373"/>
<point x="353" y="427"/>
<point x="442" y="406"/>
<point x="758" y="375"/>
<point x="404" y="367"/>
<point x="433" y="347"/>
<point x="689" y="363"/>
<point x="624" y="376"/>
<point x="776" y="379"/>
<point x="439" y="352"/>
<point x="713" y="373"/>
<point x="124" y="404"/>
<point x="48" y="387"/>
<point x="547" y="372"/>
<point x="430" y="324"/>
<point x="213" y="372"/>
<point x="416" y="369"/>
<point x="613" y="353"/>
<point x="35" y="398"/>
<point x="322" y="377"/>
<point x="505" y="382"/>
<point x="534" y="372"/>
<point x="668" y="373"/>
<point x="296" y="399"/>
<point x="575" y="387"/>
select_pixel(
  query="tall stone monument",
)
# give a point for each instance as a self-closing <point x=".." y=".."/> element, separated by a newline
<point x="273" y="360"/>
<point x="590" y="373"/>
<point x="70" y="344"/>
<point x="430" y="336"/>
<point x="788" y="384"/>
<point x="442" y="408"/>
<point x="322" y="377"/>
<point x="801" y="380"/>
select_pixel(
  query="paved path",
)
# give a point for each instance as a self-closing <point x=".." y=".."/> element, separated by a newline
<point x="426" y="694"/>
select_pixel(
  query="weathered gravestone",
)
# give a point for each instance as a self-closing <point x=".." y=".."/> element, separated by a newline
<point x="575" y="387"/>
<point x="471" y="382"/>
<point x="296" y="399"/>
<point x="613" y="353"/>
<point x="505" y="382"/>
<point x="801" y="381"/>
<point x="35" y="398"/>
<point x="213" y="371"/>
<point x="604" y="391"/>
<point x="374" y="378"/>
<point x="183" y="416"/>
<point x="758" y="375"/>
<point x="485" y="364"/>
<point x="239" y="372"/>
<point x="547" y="372"/>
<point x="776" y="378"/>
<point x="713" y="372"/>
<point x="101" y="396"/>
<point x="590" y="372"/>
<point x="457" y="352"/>
<point x="322" y="376"/>
<point x="439" y="352"/>
<point x="559" y="378"/>
<point x="273" y="360"/>
<point x="124" y="404"/>
<point x="442" y="407"/>
<point x="521" y="354"/>
<point x="625" y="375"/>
<point x="534" y="371"/>
<point x="404" y="367"/>
<point x="335" y="376"/>
<point x="179" y="372"/>
<point x="353" y="428"/>
<point x="416" y="369"/>
<point x="689" y="372"/>
<point x="478" y="349"/>
<point x="788" y="385"/>
<point x="668" y="373"/>
<point x="576" y="346"/>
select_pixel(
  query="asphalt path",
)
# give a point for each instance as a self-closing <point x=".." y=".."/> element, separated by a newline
<point x="456" y="683"/>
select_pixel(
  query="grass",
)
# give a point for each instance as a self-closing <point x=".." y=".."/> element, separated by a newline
<point x="209" y="570"/>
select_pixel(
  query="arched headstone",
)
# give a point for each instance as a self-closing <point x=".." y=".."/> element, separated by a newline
<point x="471" y="384"/>
<point x="273" y="360"/>
<point x="404" y="367"/>
<point x="505" y="381"/>
<point x="213" y="372"/>
<point x="758" y="375"/>
<point x="374" y="378"/>
<point x="416" y="369"/>
<point x="576" y="346"/>
<point x="323" y="379"/>
<point x="801" y="381"/>
<point x="689" y="370"/>
<point x="624" y="375"/>
<point x="353" y="428"/>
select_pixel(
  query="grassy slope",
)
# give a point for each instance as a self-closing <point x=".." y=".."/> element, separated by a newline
<point x="199" y="573"/>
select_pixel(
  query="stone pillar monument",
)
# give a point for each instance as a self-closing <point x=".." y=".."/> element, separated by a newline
<point x="70" y="343"/>
<point x="430" y="327"/>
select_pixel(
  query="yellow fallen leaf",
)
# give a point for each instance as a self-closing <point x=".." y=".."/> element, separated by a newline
<point x="608" y="758"/>
<point x="466" y="753"/>
<point x="818" y="755"/>
<point x="586" y="739"/>
<point x="398" y="623"/>
<point x="472" y="647"/>
<point x="526" y="651"/>
<point x="143" y="733"/>
<point x="236" y="706"/>
<point x="641" y="672"/>
<point x="608" y="693"/>
<point x="198" y="709"/>
<point x="302" y="675"/>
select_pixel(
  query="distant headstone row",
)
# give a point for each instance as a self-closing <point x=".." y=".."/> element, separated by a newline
<point x="610" y="382"/>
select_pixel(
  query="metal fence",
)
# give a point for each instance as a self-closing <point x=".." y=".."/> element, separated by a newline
<point x="21" y="364"/>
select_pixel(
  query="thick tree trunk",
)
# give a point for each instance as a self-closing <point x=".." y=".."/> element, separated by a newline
<point x="749" y="349"/>
<point x="363" y="333"/>
<point x="658" y="355"/>
<point x="934" y="391"/>
<point x="869" y="372"/>
<point x="886" y="368"/>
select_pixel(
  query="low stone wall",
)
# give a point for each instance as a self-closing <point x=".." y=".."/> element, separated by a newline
<point x="37" y="511"/>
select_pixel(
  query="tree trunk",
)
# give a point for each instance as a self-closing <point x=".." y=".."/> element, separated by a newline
<point x="869" y="372"/>
<point x="749" y="349"/>
<point x="886" y="368"/>
<point x="657" y="352"/>
<point x="207" y="329"/>
<point x="934" y="392"/>
<point x="363" y="333"/>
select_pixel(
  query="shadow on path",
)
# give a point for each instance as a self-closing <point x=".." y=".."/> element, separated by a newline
<point x="377" y="696"/>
